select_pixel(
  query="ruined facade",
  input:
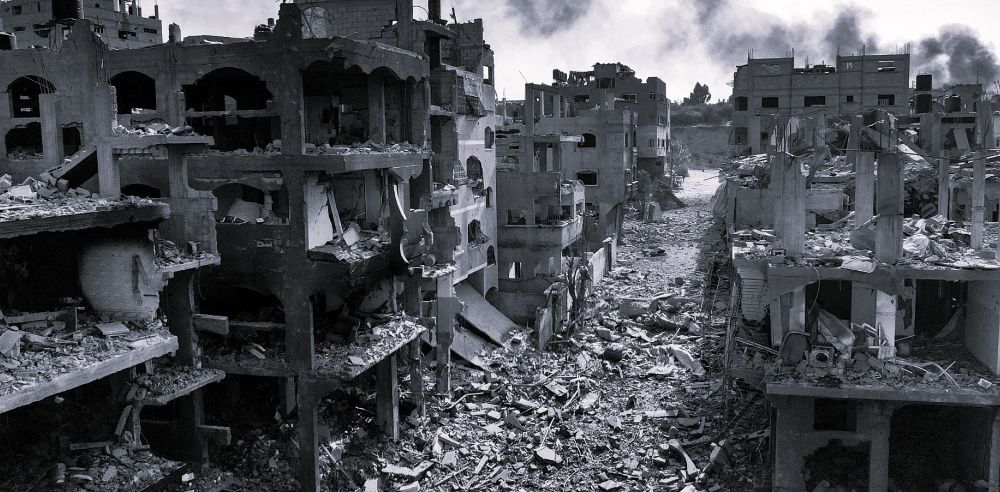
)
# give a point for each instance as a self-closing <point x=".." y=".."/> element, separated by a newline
<point x="343" y="189"/>
<point x="120" y="23"/>
<point x="765" y="89"/>
<point x="876" y="302"/>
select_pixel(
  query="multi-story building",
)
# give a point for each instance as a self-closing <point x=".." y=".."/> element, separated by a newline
<point x="98" y="288"/>
<point x="766" y="89"/>
<point x="902" y="336"/>
<point x="352" y="184"/>
<point x="616" y="85"/>
<point x="120" y="23"/>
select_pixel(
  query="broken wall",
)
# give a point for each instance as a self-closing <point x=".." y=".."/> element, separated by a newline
<point x="982" y="326"/>
<point x="119" y="278"/>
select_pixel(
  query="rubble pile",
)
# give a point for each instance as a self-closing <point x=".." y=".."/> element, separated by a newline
<point x="49" y="197"/>
<point x="168" y="380"/>
<point x="169" y="254"/>
<point x="152" y="128"/>
<point x="927" y="243"/>
<point x="106" y="467"/>
<point x="37" y="347"/>
<point x="366" y="348"/>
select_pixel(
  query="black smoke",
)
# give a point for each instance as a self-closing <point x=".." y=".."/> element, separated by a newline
<point x="543" y="18"/>
<point x="956" y="55"/>
<point x="731" y="28"/>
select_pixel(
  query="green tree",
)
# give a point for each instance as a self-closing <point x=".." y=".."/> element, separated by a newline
<point x="699" y="95"/>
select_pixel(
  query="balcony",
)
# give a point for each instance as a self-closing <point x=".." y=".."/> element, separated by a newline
<point x="557" y="234"/>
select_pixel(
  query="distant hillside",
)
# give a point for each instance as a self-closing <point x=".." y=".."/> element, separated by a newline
<point x="700" y="114"/>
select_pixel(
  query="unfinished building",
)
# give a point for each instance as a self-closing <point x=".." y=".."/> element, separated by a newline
<point x="871" y="309"/>
<point x="342" y="189"/>
<point x="120" y="23"/>
<point x="765" y="89"/>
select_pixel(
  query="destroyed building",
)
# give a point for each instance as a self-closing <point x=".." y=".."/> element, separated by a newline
<point x="120" y="23"/>
<point x="331" y="199"/>
<point x="866" y="313"/>
<point x="765" y="89"/>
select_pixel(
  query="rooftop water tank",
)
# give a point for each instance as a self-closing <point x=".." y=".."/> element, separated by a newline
<point x="67" y="9"/>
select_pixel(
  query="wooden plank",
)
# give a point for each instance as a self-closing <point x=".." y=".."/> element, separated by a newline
<point x="88" y="220"/>
<point x="150" y="348"/>
<point x="162" y="400"/>
<point x="211" y="323"/>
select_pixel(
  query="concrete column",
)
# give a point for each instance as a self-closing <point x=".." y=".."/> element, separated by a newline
<point x="753" y="133"/>
<point x="944" y="193"/>
<point x="792" y="419"/>
<point x="854" y="140"/>
<point x="529" y="110"/>
<point x="291" y="107"/>
<point x="886" y="312"/>
<point x="447" y="307"/>
<point x="994" y="473"/>
<point x="387" y="397"/>
<point x="864" y="188"/>
<point x="52" y="141"/>
<point x="308" y="438"/>
<point x="878" y="423"/>
<point x="889" y="228"/>
<point x="777" y="191"/>
<point x="556" y="105"/>
<point x="108" y="174"/>
<point x="420" y="96"/>
<point x="937" y="135"/>
<point x="417" y="376"/>
<point x="793" y="216"/>
<point x="376" y="108"/>
<point x="978" y="199"/>
<point x="797" y="310"/>
<point x="862" y="304"/>
<point x="556" y="164"/>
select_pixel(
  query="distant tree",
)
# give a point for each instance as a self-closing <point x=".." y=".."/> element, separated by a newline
<point x="699" y="95"/>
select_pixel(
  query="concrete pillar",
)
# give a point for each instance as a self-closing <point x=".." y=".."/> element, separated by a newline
<point x="291" y="107"/>
<point x="556" y="105"/>
<point x="108" y="174"/>
<point x="777" y="191"/>
<point x="447" y="307"/>
<point x="994" y="473"/>
<point x="886" y="312"/>
<point x="753" y="133"/>
<point x="889" y="228"/>
<point x="420" y="97"/>
<point x="944" y="193"/>
<point x="797" y="310"/>
<point x="978" y="199"/>
<point x="376" y="108"/>
<point x="529" y="110"/>
<point x="877" y="423"/>
<point x="862" y="304"/>
<point x="864" y="188"/>
<point x="417" y="376"/>
<point x="792" y="418"/>
<point x="793" y="197"/>
<point x="937" y="135"/>
<point x="854" y="140"/>
<point x="556" y="164"/>
<point x="52" y="141"/>
<point x="308" y="438"/>
<point x="387" y="397"/>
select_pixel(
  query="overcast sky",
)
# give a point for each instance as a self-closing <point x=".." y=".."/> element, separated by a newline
<point x="683" y="41"/>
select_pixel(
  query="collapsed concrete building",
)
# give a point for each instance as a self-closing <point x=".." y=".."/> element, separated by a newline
<point x="328" y="189"/>
<point x="871" y="311"/>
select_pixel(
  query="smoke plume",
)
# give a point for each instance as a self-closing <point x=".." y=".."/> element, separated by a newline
<point x="543" y="18"/>
<point x="730" y="29"/>
<point x="956" y="55"/>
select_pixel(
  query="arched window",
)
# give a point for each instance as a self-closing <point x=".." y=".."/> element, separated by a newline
<point x="491" y="256"/>
<point x="589" y="140"/>
<point x="474" y="172"/>
<point x="489" y="197"/>
<point x="135" y="90"/>
<point x="475" y="233"/>
<point x="488" y="138"/>
<point x="24" y="93"/>
<point x="24" y="142"/>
